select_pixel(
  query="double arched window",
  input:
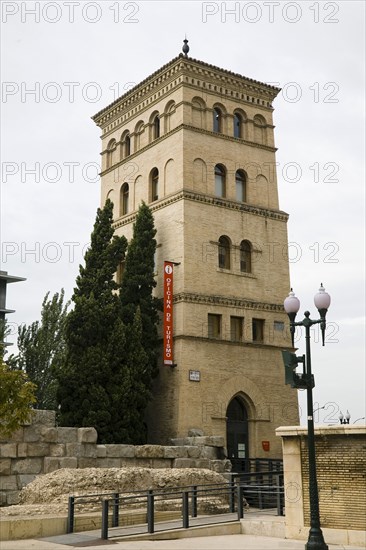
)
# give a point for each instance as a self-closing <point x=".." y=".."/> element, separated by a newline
<point x="220" y="185"/>
<point x="224" y="252"/>
<point x="220" y="180"/>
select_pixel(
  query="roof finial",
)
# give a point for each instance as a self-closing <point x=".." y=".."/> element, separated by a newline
<point x="185" y="48"/>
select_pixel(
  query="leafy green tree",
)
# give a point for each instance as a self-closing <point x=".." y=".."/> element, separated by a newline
<point x="16" y="399"/>
<point x="41" y="348"/>
<point x="94" y="379"/>
<point x="137" y="286"/>
<point x="4" y="333"/>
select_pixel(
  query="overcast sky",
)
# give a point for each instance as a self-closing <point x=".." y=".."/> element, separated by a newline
<point x="64" y="61"/>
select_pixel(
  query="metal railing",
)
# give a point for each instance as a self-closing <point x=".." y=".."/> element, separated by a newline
<point x="262" y="489"/>
<point x="256" y="464"/>
<point x="259" y="489"/>
<point x="188" y="500"/>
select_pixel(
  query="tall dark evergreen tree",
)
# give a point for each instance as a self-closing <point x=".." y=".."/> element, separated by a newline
<point x="136" y="393"/>
<point x="94" y="381"/>
<point x="137" y="286"/>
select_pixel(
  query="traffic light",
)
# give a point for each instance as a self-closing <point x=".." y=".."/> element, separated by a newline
<point x="294" y="379"/>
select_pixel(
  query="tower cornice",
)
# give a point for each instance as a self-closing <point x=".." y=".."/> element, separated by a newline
<point x="203" y="72"/>
<point x="267" y="213"/>
<point x="205" y="299"/>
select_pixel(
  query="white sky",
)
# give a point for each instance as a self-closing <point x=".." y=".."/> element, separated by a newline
<point x="313" y="50"/>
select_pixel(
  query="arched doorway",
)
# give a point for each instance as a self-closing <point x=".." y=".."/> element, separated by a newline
<point x="237" y="434"/>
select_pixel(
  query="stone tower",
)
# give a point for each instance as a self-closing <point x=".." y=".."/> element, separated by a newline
<point x="196" y="143"/>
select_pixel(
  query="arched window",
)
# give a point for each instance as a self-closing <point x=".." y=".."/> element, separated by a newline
<point x="125" y="192"/>
<point x="139" y="129"/>
<point x="127" y="146"/>
<point x="169" y="116"/>
<point x="240" y="186"/>
<point x="245" y="257"/>
<point x="260" y="129"/>
<point x="154" y="184"/>
<point x="224" y="252"/>
<point x="156" y="129"/>
<point x="237" y="125"/>
<point x="111" y="148"/>
<point x="220" y="180"/>
<point x="198" y="112"/>
<point x="217" y="120"/>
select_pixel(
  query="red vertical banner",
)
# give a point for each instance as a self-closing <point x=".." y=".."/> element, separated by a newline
<point x="168" y="314"/>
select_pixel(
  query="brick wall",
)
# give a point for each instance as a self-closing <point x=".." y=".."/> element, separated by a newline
<point x="341" y="476"/>
<point x="40" y="448"/>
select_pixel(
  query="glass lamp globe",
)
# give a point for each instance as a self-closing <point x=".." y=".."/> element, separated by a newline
<point x="291" y="303"/>
<point x="322" y="299"/>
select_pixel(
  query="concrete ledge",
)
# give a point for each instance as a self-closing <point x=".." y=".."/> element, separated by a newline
<point x="347" y="429"/>
<point x="266" y="527"/>
<point x="32" y="527"/>
<point x="46" y="526"/>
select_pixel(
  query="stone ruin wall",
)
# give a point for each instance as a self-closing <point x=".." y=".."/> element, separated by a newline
<point x="41" y="447"/>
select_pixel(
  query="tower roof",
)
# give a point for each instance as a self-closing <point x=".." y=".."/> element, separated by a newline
<point x="188" y="64"/>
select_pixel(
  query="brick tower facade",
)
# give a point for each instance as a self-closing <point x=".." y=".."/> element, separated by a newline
<point x="196" y="143"/>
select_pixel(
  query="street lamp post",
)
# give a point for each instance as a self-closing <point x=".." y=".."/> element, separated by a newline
<point x="292" y="306"/>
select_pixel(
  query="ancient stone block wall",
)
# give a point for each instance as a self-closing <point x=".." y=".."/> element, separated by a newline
<point x="40" y="448"/>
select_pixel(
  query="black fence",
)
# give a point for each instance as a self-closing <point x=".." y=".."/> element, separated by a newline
<point x="246" y="465"/>
<point x="188" y="498"/>
<point x="187" y="501"/>
<point x="262" y="489"/>
<point x="195" y="505"/>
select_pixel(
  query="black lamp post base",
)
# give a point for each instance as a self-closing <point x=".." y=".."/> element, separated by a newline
<point x="316" y="540"/>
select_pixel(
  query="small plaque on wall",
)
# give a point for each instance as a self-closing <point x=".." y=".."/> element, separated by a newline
<point x="195" y="375"/>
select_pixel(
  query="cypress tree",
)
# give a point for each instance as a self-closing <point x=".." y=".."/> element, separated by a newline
<point x="93" y="381"/>
<point x="137" y="285"/>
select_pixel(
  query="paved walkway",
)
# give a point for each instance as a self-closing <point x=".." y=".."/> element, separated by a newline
<point x="220" y="542"/>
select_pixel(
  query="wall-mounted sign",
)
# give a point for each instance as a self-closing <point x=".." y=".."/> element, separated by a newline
<point x="195" y="375"/>
<point x="168" y="314"/>
<point x="265" y="445"/>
